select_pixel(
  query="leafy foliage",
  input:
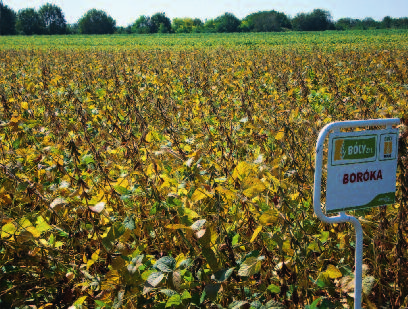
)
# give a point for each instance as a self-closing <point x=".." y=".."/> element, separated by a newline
<point x="265" y="21"/>
<point x="96" y="22"/>
<point x="53" y="19"/>
<point x="29" y="22"/>
<point x="181" y="177"/>
<point x="7" y="20"/>
<point x="317" y="20"/>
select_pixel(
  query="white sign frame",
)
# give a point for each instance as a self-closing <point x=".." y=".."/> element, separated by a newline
<point x="368" y="180"/>
<point x="343" y="217"/>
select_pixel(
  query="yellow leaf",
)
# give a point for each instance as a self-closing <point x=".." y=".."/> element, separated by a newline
<point x="333" y="272"/>
<point x="242" y="170"/>
<point x="191" y="214"/>
<point x="149" y="137"/>
<point x="24" y="223"/>
<point x="8" y="230"/>
<point x="42" y="225"/>
<point x="33" y="231"/>
<point x="280" y="135"/>
<point x="150" y="170"/>
<point x="287" y="248"/>
<point x="89" y="263"/>
<point x="254" y="186"/>
<point x="294" y="196"/>
<point x="269" y="217"/>
<point x="95" y="255"/>
<point x="123" y="182"/>
<point x="200" y="194"/>
<point x="24" y="105"/>
<point x="176" y="226"/>
<point x="80" y="300"/>
<point x="226" y="193"/>
<point x="256" y="232"/>
<point x="112" y="278"/>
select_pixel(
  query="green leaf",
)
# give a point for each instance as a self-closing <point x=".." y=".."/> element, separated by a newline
<point x="117" y="230"/>
<point x="122" y="190"/>
<point x="100" y="304"/>
<point x="256" y="305"/>
<point x="22" y="186"/>
<point x="273" y="304"/>
<point x="274" y="288"/>
<point x="236" y="304"/>
<point x="129" y="223"/>
<point x="186" y="295"/>
<point x="86" y="159"/>
<point x="222" y="275"/>
<point x="185" y="263"/>
<point x="251" y="266"/>
<point x="147" y="273"/>
<point x="210" y="258"/>
<point x="324" y="236"/>
<point x="211" y="290"/>
<point x="368" y="284"/>
<point x="166" y="264"/>
<point x="152" y="281"/>
<point x="174" y="300"/>
<point x="16" y="143"/>
<point x="168" y="292"/>
<point x="235" y="239"/>
<point x="323" y="280"/>
<point x="314" y="304"/>
<point x="203" y="296"/>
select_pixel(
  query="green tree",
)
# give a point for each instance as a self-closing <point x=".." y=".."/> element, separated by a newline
<point x="142" y="25"/>
<point x="265" y="21"/>
<point x="29" y="22"/>
<point x="209" y="26"/>
<point x="400" y="23"/>
<point x="370" y="23"/>
<point x="7" y="20"/>
<point x="387" y="22"/>
<point x="96" y="22"/>
<point x="227" y="23"/>
<point x="317" y="20"/>
<point x="160" y="23"/>
<point x="346" y="23"/>
<point x="186" y="25"/>
<point x="73" y="28"/>
<point x="53" y="19"/>
<point x="123" y="30"/>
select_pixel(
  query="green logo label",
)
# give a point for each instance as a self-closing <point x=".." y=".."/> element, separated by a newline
<point x="355" y="148"/>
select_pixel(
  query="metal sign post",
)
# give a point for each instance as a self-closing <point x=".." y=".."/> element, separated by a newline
<point x="361" y="173"/>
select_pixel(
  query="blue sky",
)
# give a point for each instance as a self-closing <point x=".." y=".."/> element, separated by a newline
<point x="126" y="11"/>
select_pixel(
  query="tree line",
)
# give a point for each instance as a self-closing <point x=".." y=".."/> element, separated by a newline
<point x="49" y="19"/>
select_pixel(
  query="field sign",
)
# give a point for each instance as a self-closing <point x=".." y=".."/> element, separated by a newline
<point x="361" y="173"/>
<point x="361" y="169"/>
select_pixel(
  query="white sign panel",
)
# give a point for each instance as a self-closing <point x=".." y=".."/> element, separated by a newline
<point x="361" y="169"/>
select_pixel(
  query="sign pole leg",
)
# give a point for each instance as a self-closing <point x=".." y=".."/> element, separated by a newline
<point x="358" y="275"/>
